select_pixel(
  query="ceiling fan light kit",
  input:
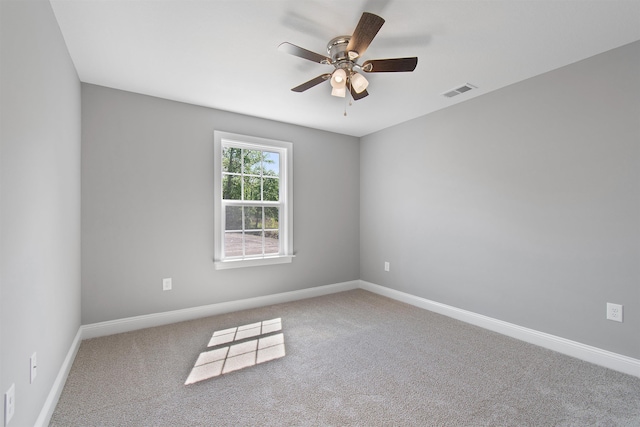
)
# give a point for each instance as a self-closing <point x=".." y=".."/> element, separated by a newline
<point x="343" y="52"/>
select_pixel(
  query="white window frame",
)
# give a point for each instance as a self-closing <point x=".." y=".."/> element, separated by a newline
<point x="225" y="139"/>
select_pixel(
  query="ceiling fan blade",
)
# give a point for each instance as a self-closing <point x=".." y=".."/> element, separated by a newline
<point x="311" y="83"/>
<point x="390" y="65"/>
<point x="356" y="96"/>
<point x="303" y="53"/>
<point x="364" y="33"/>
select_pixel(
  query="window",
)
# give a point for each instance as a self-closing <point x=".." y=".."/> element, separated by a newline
<point x="253" y="201"/>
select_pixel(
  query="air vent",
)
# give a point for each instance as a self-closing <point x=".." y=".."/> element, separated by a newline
<point x="457" y="91"/>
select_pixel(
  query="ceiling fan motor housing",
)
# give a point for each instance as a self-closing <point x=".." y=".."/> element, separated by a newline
<point x="337" y="50"/>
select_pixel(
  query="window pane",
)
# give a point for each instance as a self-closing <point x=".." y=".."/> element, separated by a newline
<point x="231" y="187"/>
<point x="271" y="218"/>
<point x="232" y="244"/>
<point x="251" y="188"/>
<point x="231" y="160"/>
<point x="253" y="243"/>
<point x="271" y="189"/>
<point x="252" y="218"/>
<point x="271" y="163"/>
<point x="271" y="242"/>
<point x="233" y="218"/>
<point x="252" y="162"/>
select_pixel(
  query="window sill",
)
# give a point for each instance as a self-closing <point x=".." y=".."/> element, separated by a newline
<point x="254" y="262"/>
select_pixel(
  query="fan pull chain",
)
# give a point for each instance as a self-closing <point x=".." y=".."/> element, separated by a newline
<point x="345" y="106"/>
<point x="347" y="97"/>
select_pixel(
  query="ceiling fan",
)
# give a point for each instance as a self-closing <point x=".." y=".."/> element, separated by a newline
<point x="343" y="52"/>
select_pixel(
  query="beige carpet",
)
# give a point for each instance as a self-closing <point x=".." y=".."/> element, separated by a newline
<point x="352" y="358"/>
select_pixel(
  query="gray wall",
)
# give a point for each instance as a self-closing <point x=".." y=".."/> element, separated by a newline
<point x="39" y="202"/>
<point x="147" y="207"/>
<point x="522" y="204"/>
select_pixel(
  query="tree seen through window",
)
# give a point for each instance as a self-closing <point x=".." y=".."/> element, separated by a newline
<point x="251" y="179"/>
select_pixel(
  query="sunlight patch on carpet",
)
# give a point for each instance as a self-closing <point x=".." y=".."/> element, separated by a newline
<point x="224" y="358"/>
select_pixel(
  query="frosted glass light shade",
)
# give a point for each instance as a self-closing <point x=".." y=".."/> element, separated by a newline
<point x="339" y="91"/>
<point x="338" y="79"/>
<point x="358" y="82"/>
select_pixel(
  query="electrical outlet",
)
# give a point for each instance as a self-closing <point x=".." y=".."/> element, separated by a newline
<point x="614" y="312"/>
<point x="34" y="370"/>
<point x="166" y="284"/>
<point x="9" y="404"/>
<point x="386" y="266"/>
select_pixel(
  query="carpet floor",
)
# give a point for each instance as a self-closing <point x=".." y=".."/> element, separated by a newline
<point x="350" y="358"/>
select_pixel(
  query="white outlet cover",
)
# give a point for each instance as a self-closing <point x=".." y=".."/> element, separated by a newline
<point x="9" y="404"/>
<point x="166" y="284"/>
<point x="614" y="312"/>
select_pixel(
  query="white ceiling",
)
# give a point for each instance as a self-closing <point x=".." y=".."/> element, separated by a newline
<point x="223" y="53"/>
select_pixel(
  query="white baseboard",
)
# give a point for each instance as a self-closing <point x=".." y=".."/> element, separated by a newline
<point x="54" y="394"/>
<point x="158" y="319"/>
<point x="588" y="353"/>
<point x="618" y="362"/>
